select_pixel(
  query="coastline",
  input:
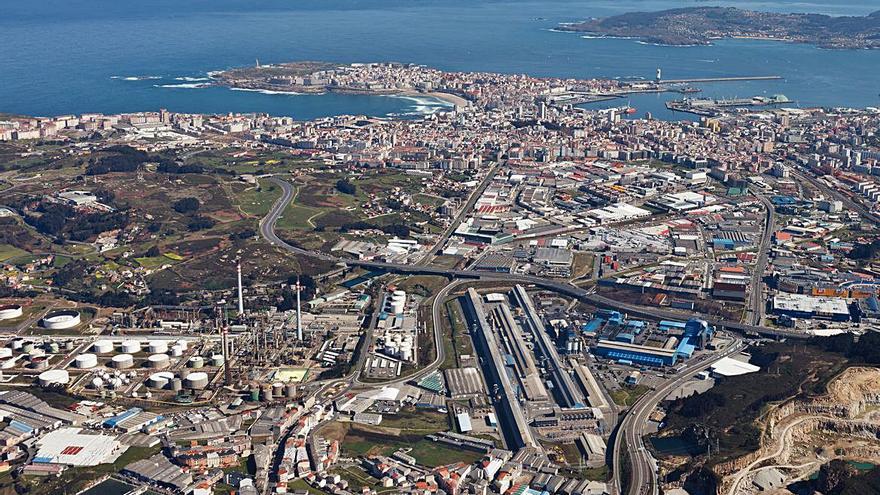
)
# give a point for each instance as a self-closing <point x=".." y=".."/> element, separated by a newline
<point x="455" y="100"/>
<point x="452" y="99"/>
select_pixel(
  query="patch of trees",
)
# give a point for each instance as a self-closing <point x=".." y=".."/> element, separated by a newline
<point x="186" y="205"/>
<point x="164" y="297"/>
<point x="346" y="187"/>
<point x="866" y="350"/>
<point x="75" y="270"/>
<point x="698" y="405"/>
<point x="288" y="294"/>
<point x="865" y="251"/>
<point x="60" y="221"/>
<point x="243" y="234"/>
<point x="116" y="299"/>
<point x="172" y="167"/>
<point x="123" y="159"/>
<point x="200" y="222"/>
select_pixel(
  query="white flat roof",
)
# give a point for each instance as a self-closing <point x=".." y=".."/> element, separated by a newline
<point x="732" y="367"/>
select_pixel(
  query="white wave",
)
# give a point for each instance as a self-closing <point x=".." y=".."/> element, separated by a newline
<point x="668" y="45"/>
<point x="182" y="86"/>
<point x="136" y="78"/>
<point x="267" y="91"/>
<point x="424" y="101"/>
<point x="192" y="79"/>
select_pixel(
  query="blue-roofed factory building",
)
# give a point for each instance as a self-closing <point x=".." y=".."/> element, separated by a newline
<point x="695" y="335"/>
<point x="115" y="420"/>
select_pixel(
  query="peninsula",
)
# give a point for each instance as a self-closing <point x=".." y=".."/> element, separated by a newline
<point x="306" y="77"/>
<point x="701" y="25"/>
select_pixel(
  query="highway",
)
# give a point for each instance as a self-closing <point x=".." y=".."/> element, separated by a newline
<point x="756" y="299"/>
<point x="472" y="200"/>
<point x="632" y="428"/>
<point x="267" y="230"/>
<point x="643" y="477"/>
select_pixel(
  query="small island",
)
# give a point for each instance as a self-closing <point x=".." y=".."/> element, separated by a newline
<point x="701" y="25"/>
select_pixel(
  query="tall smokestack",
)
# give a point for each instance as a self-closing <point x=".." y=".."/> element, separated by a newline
<point x="299" y="327"/>
<point x="224" y="342"/>
<point x="240" y="296"/>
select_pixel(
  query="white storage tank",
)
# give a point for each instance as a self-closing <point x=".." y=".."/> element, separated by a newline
<point x="182" y="343"/>
<point x="102" y="346"/>
<point x="158" y="346"/>
<point x="177" y="351"/>
<point x="159" y="380"/>
<point x="122" y="361"/>
<point x="61" y="320"/>
<point x="197" y="380"/>
<point x="217" y="360"/>
<point x="131" y="346"/>
<point x="196" y="362"/>
<point x="10" y="311"/>
<point x="85" y="361"/>
<point x="158" y="361"/>
<point x="53" y="377"/>
<point x="97" y="382"/>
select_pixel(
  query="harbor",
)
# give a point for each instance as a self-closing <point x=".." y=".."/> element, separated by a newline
<point x="706" y="107"/>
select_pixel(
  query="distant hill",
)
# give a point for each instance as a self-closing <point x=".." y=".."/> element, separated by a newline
<point x="700" y="25"/>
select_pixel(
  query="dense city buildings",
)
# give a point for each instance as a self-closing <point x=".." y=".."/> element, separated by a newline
<point x="499" y="297"/>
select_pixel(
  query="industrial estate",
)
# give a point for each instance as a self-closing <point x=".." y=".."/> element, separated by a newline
<point x="516" y="295"/>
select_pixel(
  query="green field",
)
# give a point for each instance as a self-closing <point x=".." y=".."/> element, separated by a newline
<point x="413" y="421"/>
<point x="256" y="200"/>
<point x="627" y="396"/>
<point x="8" y="252"/>
<point x="456" y="340"/>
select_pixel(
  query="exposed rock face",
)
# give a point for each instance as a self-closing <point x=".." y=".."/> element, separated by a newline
<point x="832" y="477"/>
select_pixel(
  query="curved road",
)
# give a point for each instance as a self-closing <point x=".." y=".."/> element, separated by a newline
<point x="267" y="230"/>
<point x="633" y="426"/>
<point x="643" y="477"/>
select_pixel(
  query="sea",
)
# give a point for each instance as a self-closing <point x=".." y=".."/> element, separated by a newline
<point x="112" y="56"/>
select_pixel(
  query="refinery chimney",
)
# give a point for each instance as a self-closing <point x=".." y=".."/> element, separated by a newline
<point x="224" y="342"/>
<point x="240" y="296"/>
<point x="299" y="328"/>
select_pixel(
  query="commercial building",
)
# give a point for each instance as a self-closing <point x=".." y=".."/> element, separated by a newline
<point x="803" y="306"/>
<point x="634" y="353"/>
<point x="71" y="447"/>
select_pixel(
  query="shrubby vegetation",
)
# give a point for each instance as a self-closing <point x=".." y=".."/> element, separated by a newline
<point x="346" y="187"/>
<point x="186" y="205"/>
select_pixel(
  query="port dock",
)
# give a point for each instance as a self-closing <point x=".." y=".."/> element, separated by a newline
<point x="719" y="79"/>
<point x="711" y="108"/>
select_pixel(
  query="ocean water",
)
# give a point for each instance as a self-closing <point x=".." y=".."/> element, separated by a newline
<point x="74" y="56"/>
